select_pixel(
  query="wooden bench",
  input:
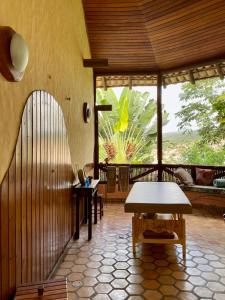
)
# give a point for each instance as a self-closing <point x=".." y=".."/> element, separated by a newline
<point x="206" y="196"/>
<point x="45" y="290"/>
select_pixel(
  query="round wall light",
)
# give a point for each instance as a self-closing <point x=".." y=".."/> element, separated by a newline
<point x="86" y="112"/>
<point x="19" y="52"/>
<point x="14" y="54"/>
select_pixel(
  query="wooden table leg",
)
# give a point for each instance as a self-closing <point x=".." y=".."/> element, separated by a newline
<point x="183" y="238"/>
<point x="95" y="207"/>
<point x="85" y="209"/>
<point x="135" y="230"/>
<point x="77" y="233"/>
<point x="89" y="217"/>
<point x="133" y="234"/>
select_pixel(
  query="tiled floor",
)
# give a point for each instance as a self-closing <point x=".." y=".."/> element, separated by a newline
<point x="105" y="267"/>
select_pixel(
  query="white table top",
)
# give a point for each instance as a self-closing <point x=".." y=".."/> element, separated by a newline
<point x="157" y="197"/>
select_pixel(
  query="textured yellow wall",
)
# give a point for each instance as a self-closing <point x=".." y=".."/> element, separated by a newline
<point x="56" y="34"/>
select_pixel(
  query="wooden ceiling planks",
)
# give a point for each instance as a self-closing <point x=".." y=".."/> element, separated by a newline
<point x="143" y="35"/>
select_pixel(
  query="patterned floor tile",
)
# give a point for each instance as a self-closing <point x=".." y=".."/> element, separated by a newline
<point x="105" y="268"/>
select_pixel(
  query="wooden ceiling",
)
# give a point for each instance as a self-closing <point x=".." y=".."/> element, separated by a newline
<point x="155" y="35"/>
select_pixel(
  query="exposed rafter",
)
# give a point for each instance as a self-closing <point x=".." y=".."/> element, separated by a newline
<point x="155" y="36"/>
<point x="95" y="63"/>
<point x="197" y="73"/>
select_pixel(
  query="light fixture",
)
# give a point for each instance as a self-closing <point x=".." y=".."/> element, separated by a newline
<point x="19" y="52"/>
<point x="86" y="112"/>
<point x="14" y="54"/>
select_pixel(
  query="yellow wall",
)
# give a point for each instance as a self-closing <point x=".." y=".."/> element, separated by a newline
<point x="56" y="34"/>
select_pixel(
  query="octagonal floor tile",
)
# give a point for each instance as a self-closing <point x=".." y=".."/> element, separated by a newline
<point x="85" y="292"/>
<point x="134" y="289"/>
<point x="203" y="292"/>
<point x="105" y="268"/>
<point x="105" y="278"/>
<point x="118" y="295"/>
<point x="152" y="295"/>
<point x="103" y="288"/>
<point x="168" y="290"/>
<point x="121" y="273"/>
<point x="101" y="297"/>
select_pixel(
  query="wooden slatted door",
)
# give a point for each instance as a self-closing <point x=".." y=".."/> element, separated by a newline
<point x="35" y="196"/>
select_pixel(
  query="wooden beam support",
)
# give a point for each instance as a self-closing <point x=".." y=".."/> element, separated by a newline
<point x="106" y="107"/>
<point x="219" y="71"/>
<point x="166" y="71"/>
<point x="191" y="77"/>
<point x="104" y="83"/>
<point x="194" y="66"/>
<point x="95" y="63"/>
<point x="159" y="126"/>
<point x="163" y="82"/>
<point x="114" y="73"/>
<point x="96" y="143"/>
<point x="130" y="82"/>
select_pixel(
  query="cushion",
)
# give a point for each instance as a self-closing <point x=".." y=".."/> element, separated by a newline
<point x="204" y="176"/>
<point x="150" y="234"/>
<point x="183" y="176"/>
<point x="220" y="183"/>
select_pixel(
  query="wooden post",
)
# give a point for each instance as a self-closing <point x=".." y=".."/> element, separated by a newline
<point x="191" y="77"/>
<point x="219" y="71"/>
<point x="97" y="108"/>
<point x="159" y="125"/>
<point x="104" y="83"/>
<point x="96" y="145"/>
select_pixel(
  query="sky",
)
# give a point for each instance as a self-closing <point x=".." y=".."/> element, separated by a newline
<point x="170" y="100"/>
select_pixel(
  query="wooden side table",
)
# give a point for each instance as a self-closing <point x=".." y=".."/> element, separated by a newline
<point x="89" y="193"/>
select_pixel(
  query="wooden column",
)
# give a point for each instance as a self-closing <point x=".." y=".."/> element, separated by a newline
<point x="159" y="125"/>
<point x="96" y="146"/>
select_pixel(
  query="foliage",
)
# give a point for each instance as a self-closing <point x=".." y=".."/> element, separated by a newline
<point x="203" y="154"/>
<point x="128" y="133"/>
<point x="204" y="108"/>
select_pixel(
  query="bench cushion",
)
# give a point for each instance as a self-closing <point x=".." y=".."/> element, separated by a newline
<point x="203" y="189"/>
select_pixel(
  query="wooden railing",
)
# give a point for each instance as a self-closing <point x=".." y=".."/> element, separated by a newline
<point x="155" y="172"/>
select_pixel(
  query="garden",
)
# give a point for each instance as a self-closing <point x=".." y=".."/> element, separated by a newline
<point x="128" y="134"/>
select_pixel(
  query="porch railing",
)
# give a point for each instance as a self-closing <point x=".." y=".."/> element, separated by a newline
<point x="155" y="172"/>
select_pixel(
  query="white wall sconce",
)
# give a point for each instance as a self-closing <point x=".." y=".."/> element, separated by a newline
<point x="14" y="54"/>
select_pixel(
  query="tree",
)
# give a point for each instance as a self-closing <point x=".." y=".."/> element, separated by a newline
<point x="204" y="108"/>
<point x="203" y="155"/>
<point x="128" y="133"/>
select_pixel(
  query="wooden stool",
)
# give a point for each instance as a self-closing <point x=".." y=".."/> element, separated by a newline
<point x="51" y="289"/>
<point x="100" y="209"/>
<point x="101" y="205"/>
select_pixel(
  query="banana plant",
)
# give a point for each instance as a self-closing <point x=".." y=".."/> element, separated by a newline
<point x="128" y="133"/>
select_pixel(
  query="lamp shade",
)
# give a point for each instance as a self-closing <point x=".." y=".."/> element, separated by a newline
<point x="19" y="52"/>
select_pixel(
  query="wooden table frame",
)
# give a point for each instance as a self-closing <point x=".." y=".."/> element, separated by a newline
<point x="89" y="193"/>
<point x="176" y="224"/>
<point x="151" y="202"/>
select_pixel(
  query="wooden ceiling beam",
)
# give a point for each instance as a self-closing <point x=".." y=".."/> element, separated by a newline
<point x="194" y="66"/>
<point x="95" y="62"/>
<point x="104" y="107"/>
<point x="157" y="35"/>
